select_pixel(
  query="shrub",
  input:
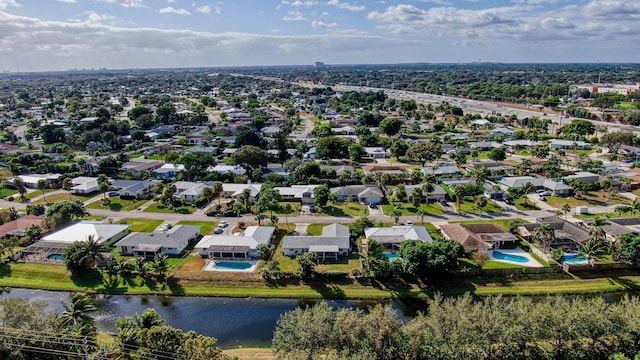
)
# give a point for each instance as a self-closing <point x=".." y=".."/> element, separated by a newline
<point x="183" y="210"/>
<point x="479" y="257"/>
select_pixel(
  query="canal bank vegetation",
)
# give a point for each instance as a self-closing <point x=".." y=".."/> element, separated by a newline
<point x="29" y="331"/>
<point x="462" y="328"/>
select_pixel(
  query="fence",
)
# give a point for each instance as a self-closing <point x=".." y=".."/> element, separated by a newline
<point x="554" y="269"/>
<point x="575" y="268"/>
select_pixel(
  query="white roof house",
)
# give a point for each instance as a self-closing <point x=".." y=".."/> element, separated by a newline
<point x="243" y="245"/>
<point x="235" y="190"/>
<point x="221" y="169"/>
<point x="105" y="233"/>
<point x="397" y="234"/>
<point x="84" y="185"/>
<point x="296" y="191"/>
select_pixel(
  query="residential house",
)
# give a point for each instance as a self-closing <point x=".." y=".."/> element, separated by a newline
<point x="147" y="245"/>
<point x="478" y="237"/>
<point x="333" y="242"/>
<point x="438" y="192"/>
<point x="554" y="187"/>
<point x="520" y="144"/>
<point x="236" y="191"/>
<point x="590" y="178"/>
<point x="138" y="189"/>
<point x="485" y="145"/>
<point x="221" y="169"/>
<point x="205" y="150"/>
<point x="105" y="233"/>
<point x="167" y="172"/>
<point x="310" y="154"/>
<point x="366" y="194"/>
<point x="507" y="132"/>
<point x="376" y="152"/>
<point x="304" y="193"/>
<point x="188" y="191"/>
<point x="137" y="168"/>
<point x="19" y="226"/>
<point x="83" y="185"/>
<point x="391" y="237"/>
<point x="31" y="180"/>
<point x="238" y="246"/>
<point x="441" y="169"/>
<point x="616" y="227"/>
<point x="567" y="235"/>
<point x="559" y="144"/>
<point x="385" y="169"/>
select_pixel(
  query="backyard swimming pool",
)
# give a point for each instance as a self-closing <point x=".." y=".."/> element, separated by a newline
<point x="509" y="257"/>
<point x="233" y="265"/>
<point x="392" y="256"/>
<point x="55" y="257"/>
<point x="575" y="259"/>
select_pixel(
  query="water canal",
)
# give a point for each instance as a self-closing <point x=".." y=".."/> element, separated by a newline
<point x="233" y="321"/>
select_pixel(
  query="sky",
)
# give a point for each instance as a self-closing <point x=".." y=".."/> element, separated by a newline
<point x="42" y="35"/>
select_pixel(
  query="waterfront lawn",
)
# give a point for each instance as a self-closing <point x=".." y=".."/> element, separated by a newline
<point x="467" y="263"/>
<point x="141" y="225"/>
<point x="162" y="208"/>
<point x="117" y="204"/>
<point x="346" y="208"/>
<point x="345" y="265"/>
<point x="250" y="353"/>
<point x="206" y="227"/>
<point x="433" y="208"/>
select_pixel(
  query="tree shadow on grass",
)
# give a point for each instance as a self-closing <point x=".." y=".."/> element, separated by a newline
<point x="328" y="290"/>
<point x="91" y="279"/>
<point x="174" y="286"/>
<point x="5" y="270"/>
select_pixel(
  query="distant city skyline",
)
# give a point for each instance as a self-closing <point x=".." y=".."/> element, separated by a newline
<point x="41" y="35"/>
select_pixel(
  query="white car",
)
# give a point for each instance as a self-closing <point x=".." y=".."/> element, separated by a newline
<point x="222" y="224"/>
<point x="542" y="192"/>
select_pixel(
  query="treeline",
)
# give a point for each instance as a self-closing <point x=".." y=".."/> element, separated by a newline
<point x="463" y="328"/>
<point x="29" y="331"/>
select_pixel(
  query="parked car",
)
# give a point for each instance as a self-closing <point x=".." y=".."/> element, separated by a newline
<point x="113" y="193"/>
<point x="541" y="198"/>
<point x="442" y="201"/>
<point x="222" y="224"/>
<point x="218" y="231"/>
<point x="312" y="208"/>
<point x="213" y="213"/>
<point x="542" y="192"/>
<point x="230" y="213"/>
<point x="409" y="222"/>
<point x="373" y="206"/>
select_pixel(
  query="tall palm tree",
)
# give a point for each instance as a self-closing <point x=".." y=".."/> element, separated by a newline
<point x="207" y="193"/>
<point x="592" y="249"/>
<point x="596" y="230"/>
<point x="545" y="235"/>
<point x="159" y="267"/>
<point x="479" y="176"/>
<point x="526" y="189"/>
<point x="42" y="185"/>
<point x="217" y="191"/>
<point x="286" y="208"/>
<point x="395" y="214"/>
<point x="459" y="191"/>
<point x="566" y="208"/>
<point x="75" y="316"/>
<point x="422" y="213"/>
<point x="237" y="206"/>
<point x="66" y="185"/>
<point x="91" y="252"/>
<point x="429" y="186"/>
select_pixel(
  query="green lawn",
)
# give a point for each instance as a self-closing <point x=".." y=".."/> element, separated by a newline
<point x="525" y="206"/>
<point x="4" y="192"/>
<point x="612" y="215"/>
<point x="315" y="229"/>
<point x="295" y="209"/>
<point x="433" y="231"/>
<point x="467" y="263"/>
<point x="117" y="204"/>
<point x="409" y="210"/>
<point x="141" y="225"/>
<point x="59" y="197"/>
<point x="346" y="208"/>
<point x="503" y="223"/>
<point x="206" y="227"/>
<point x="161" y="208"/>
<point x="594" y="198"/>
<point x="469" y="207"/>
<point x="346" y="265"/>
<point x="36" y="193"/>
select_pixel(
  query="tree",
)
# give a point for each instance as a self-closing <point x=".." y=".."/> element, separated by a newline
<point x="42" y="185"/>
<point x="83" y="255"/>
<point x="459" y="192"/>
<point x="356" y="152"/>
<point x="66" y="185"/>
<point x="545" y="235"/>
<point x="480" y="201"/>
<point x="263" y="251"/>
<point x="75" y="317"/>
<point x="19" y="185"/>
<point x="160" y="267"/>
<point x="391" y="126"/>
<point x="425" y="151"/>
<point x="497" y="154"/>
<point x="216" y="190"/>
<point x="422" y="213"/>
<point x="306" y="265"/>
<point x="398" y="148"/>
<point x="333" y="147"/>
<point x="627" y="249"/>
<point x="395" y="214"/>
<point x="527" y="188"/>
<point x="479" y="176"/>
<point x="250" y="157"/>
<point x="64" y="212"/>
<point x="566" y="208"/>
<point x="596" y="230"/>
<point x="269" y="200"/>
<point x="579" y="128"/>
<point x="615" y="140"/>
<point x="321" y="195"/>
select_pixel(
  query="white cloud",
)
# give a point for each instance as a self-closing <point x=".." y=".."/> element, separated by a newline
<point x="294" y="16"/>
<point x="345" y="5"/>
<point x="67" y="1"/>
<point x="97" y="18"/>
<point x="613" y="9"/>
<point x="127" y="3"/>
<point x="320" y="24"/>
<point x="299" y="3"/>
<point x="172" y="10"/>
<point x="206" y="9"/>
<point x="4" y="4"/>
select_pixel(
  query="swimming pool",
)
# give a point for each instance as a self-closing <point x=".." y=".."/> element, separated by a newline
<point x="509" y="257"/>
<point x="233" y="265"/>
<point x="575" y="259"/>
<point x="55" y="257"/>
<point x="392" y="256"/>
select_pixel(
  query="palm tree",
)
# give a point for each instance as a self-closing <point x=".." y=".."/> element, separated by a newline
<point x="237" y="206"/>
<point x="422" y="213"/>
<point x="395" y="214"/>
<point x="479" y="176"/>
<point x="66" y="185"/>
<point x="592" y="249"/>
<point x="159" y="267"/>
<point x="545" y="235"/>
<point x="216" y="191"/>
<point x="75" y="316"/>
<point x="636" y="204"/>
<point x="596" y="230"/>
<point x="207" y="193"/>
<point x="104" y="187"/>
<point x="286" y="208"/>
<point x="42" y="185"/>
<point x="19" y="185"/>
<point x="459" y="191"/>
<point x="141" y="268"/>
<point x="526" y="189"/>
<point x="112" y="269"/>
<point x="566" y="208"/>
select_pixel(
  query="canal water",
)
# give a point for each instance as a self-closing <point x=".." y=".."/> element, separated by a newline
<point x="234" y="322"/>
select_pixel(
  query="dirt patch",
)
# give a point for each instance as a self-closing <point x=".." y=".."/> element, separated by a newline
<point x="547" y="110"/>
<point x="195" y="263"/>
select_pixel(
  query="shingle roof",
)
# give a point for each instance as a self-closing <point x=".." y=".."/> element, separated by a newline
<point x="171" y="238"/>
<point x="397" y="234"/>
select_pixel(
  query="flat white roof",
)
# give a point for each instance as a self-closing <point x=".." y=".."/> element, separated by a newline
<point x="79" y="232"/>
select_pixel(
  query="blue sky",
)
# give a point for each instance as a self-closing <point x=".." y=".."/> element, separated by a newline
<point x="37" y="35"/>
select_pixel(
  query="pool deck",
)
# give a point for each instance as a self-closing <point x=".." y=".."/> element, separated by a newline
<point x="531" y="263"/>
<point x="211" y="266"/>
